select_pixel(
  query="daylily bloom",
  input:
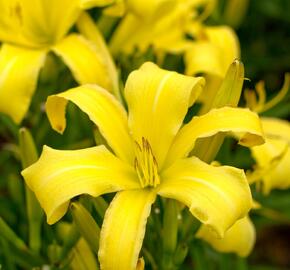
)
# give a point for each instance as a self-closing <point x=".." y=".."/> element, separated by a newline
<point x="215" y="48"/>
<point x="272" y="169"/>
<point x="28" y="31"/>
<point x="210" y="50"/>
<point x="144" y="9"/>
<point x="165" y="32"/>
<point x="149" y="156"/>
<point x="273" y="157"/>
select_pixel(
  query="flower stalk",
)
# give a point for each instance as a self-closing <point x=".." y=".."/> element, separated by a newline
<point x="170" y="232"/>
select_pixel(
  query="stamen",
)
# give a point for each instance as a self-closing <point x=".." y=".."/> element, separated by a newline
<point x="146" y="165"/>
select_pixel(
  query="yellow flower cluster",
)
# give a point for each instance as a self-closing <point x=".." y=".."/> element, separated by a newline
<point x="151" y="149"/>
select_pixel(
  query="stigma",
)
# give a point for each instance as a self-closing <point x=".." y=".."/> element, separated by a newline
<point x="146" y="165"/>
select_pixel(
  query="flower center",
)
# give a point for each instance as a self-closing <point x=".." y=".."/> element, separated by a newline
<point x="146" y="165"/>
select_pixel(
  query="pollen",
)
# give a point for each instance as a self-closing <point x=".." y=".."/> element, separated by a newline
<point x="146" y="165"/>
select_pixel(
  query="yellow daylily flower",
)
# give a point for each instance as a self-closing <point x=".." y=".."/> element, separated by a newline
<point x="273" y="163"/>
<point x="211" y="54"/>
<point x="150" y="148"/>
<point x="28" y="31"/>
<point x="240" y="238"/>
<point x="166" y="32"/>
<point x="273" y="169"/>
<point x="273" y="157"/>
<point x="144" y="9"/>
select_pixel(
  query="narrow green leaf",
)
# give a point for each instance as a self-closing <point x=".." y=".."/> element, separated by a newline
<point x="10" y="236"/>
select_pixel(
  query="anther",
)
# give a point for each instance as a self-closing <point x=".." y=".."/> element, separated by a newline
<point x="146" y="165"/>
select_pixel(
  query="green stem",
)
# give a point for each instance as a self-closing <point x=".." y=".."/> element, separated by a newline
<point x="197" y="254"/>
<point x="70" y="241"/>
<point x="170" y="231"/>
<point x="241" y="263"/>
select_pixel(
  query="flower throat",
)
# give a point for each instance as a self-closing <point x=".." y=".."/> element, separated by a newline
<point x="146" y="165"/>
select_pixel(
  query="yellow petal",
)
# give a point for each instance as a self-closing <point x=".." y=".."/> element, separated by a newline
<point x="150" y="8"/>
<point x="273" y="157"/>
<point x="272" y="150"/>
<point x="216" y="48"/>
<point x="60" y="175"/>
<point x="49" y="21"/>
<point x="86" y="4"/>
<point x="242" y="122"/>
<point x="10" y="23"/>
<point x="226" y="40"/>
<point x="19" y="69"/>
<point x="128" y="34"/>
<point x="102" y="108"/>
<point x="37" y="23"/>
<point x="88" y="28"/>
<point x="276" y="128"/>
<point x="213" y="84"/>
<point x="209" y="192"/>
<point x="203" y="57"/>
<point x="240" y="238"/>
<point x="84" y="60"/>
<point x="165" y="33"/>
<point x="116" y="10"/>
<point x="158" y="101"/>
<point x="123" y="229"/>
